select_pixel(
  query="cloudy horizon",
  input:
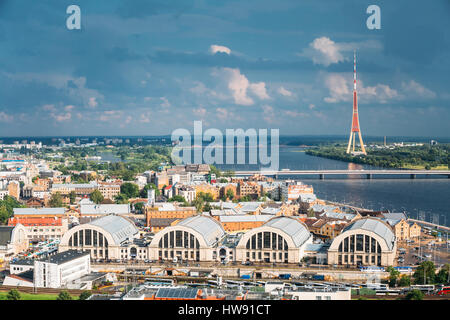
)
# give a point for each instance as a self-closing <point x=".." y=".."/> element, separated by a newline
<point x="149" y="67"/>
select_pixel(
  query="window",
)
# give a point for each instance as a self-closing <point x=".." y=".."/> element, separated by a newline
<point x="359" y="242"/>
<point x="259" y="246"/>
<point x="88" y="235"/>
<point x="178" y="238"/>
<point x="274" y="241"/>
<point x="171" y="239"/>
<point x="266" y="240"/>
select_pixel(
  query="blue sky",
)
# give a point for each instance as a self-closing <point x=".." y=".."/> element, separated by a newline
<point x="147" y="67"/>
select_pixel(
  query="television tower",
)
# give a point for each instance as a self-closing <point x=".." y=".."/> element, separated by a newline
<point x="355" y="119"/>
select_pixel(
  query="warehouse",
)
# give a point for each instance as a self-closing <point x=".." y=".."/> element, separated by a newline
<point x="366" y="241"/>
<point x="194" y="238"/>
<point x="104" y="237"/>
<point x="281" y="239"/>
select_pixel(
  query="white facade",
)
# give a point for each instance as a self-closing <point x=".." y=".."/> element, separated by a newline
<point x="281" y="239"/>
<point x="61" y="269"/>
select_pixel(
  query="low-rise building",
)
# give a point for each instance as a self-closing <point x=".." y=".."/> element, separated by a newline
<point x="42" y="228"/>
<point x="60" y="269"/>
<point x="13" y="240"/>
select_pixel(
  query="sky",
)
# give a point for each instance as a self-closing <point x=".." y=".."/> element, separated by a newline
<point x="148" y="67"/>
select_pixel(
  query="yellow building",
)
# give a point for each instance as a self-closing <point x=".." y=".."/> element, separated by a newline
<point x="167" y="211"/>
<point x="404" y="231"/>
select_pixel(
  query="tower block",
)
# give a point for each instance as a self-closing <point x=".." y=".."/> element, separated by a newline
<point x="355" y="119"/>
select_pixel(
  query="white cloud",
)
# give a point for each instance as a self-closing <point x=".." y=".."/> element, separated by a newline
<point x="145" y="118"/>
<point x="222" y="113"/>
<point x="340" y="89"/>
<point x="240" y="86"/>
<point x="284" y="92"/>
<point x="269" y="114"/>
<point x="259" y="90"/>
<point x="4" y="117"/>
<point x="109" y="115"/>
<point x="165" y="103"/>
<point x="69" y="108"/>
<point x="200" y="111"/>
<point x="325" y="51"/>
<point x="216" y="48"/>
<point x="294" y="114"/>
<point x="418" y="90"/>
<point x="93" y="102"/>
<point x="62" y="117"/>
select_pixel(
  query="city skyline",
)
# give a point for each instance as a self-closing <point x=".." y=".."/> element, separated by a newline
<point x="148" y="68"/>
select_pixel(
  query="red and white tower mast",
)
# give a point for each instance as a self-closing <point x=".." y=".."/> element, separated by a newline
<point x="355" y="119"/>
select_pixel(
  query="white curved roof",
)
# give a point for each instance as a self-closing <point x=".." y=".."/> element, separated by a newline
<point x="210" y="229"/>
<point x="376" y="226"/>
<point x="292" y="227"/>
<point x="119" y="227"/>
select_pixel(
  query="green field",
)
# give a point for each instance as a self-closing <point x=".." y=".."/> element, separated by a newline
<point x="30" y="296"/>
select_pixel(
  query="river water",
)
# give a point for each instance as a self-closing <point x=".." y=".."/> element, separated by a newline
<point x="427" y="199"/>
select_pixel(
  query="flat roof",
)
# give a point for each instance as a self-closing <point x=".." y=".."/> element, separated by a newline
<point x="39" y="211"/>
<point x="65" y="256"/>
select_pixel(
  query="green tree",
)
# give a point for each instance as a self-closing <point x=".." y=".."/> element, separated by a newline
<point x="425" y="273"/>
<point x="405" y="281"/>
<point x="139" y="206"/>
<point x="414" y="295"/>
<point x="147" y="187"/>
<point x="56" y="200"/>
<point x="177" y="198"/>
<point x="72" y="196"/>
<point x="129" y="189"/>
<point x="13" y="294"/>
<point x="207" y="207"/>
<point x="121" y="198"/>
<point x="215" y="171"/>
<point x="230" y="194"/>
<point x="84" y="295"/>
<point x="64" y="295"/>
<point x="393" y="276"/>
<point x="128" y="175"/>
<point x="442" y="276"/>
<point x="96" y="196"/>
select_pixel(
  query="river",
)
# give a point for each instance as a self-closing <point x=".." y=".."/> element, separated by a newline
<point x="426" y="199"/>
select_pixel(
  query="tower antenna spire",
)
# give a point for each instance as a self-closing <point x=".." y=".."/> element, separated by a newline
<point x="355" y="119"/>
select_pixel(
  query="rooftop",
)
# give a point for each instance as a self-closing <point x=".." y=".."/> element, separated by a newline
<point x="119" y="227"/>
<point x="65" y="256"/>
<point x="374" y="225"/>
<point x="292" y="227"/>
<point x="39" y="211"/>
<point x="208" y="227"/>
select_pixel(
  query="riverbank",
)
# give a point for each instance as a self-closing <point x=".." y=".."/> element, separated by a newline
<point x="424" y="157"/>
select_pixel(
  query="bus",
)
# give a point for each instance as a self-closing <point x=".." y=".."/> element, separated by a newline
<point x="444" y="290"/>
<point x="403" y="269"/>
<point x="391" y="292"/>
<point x="426" y="288"/>
<point x="371" y="269"/>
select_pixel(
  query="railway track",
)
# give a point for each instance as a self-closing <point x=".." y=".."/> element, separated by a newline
<point x="44" y="290"/>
